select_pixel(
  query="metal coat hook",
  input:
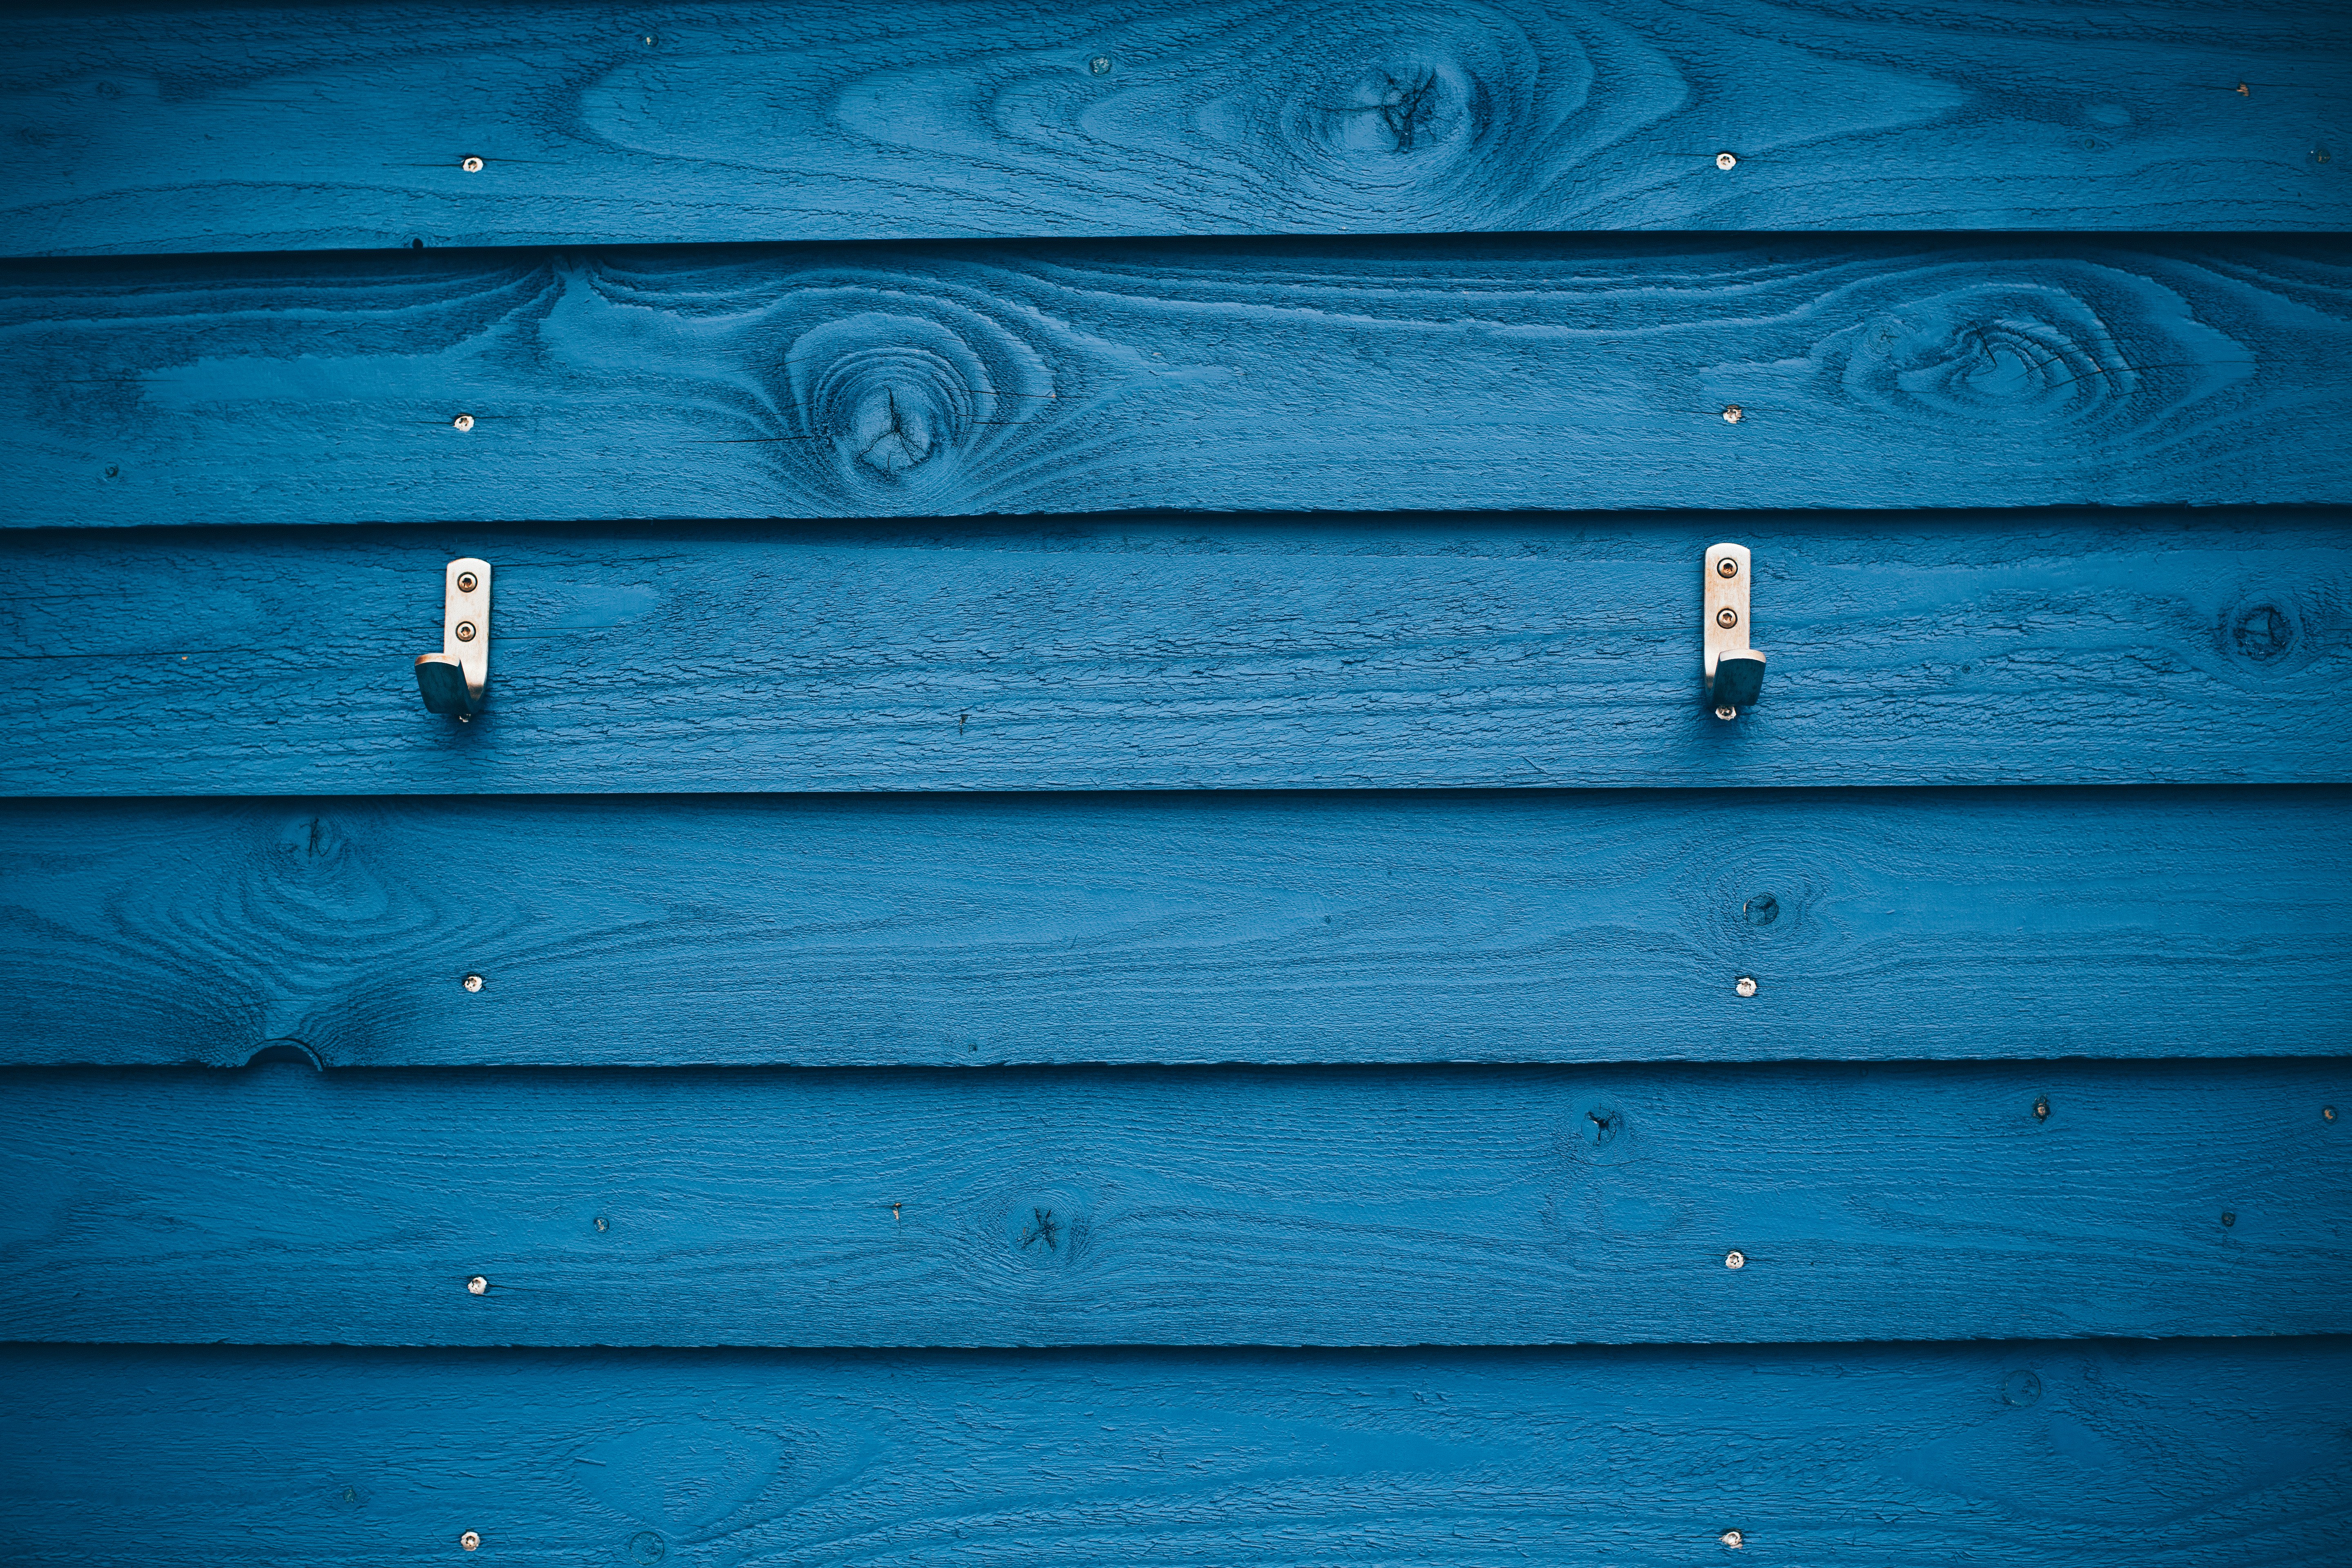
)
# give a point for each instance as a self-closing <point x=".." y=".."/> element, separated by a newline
<point x="1734" y="672"/>
<point x="454" y="681"/>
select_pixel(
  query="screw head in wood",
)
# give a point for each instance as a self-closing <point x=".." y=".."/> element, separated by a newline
<point x="1726" y="567"/>
<point x="470" y="1541"/>
<point x="2228" y="1219"/>
<point x="1726" y="617"/>
<point x="465" y="631"/>
<point x="1727" y="712"/>
<point x="1733" y="1539"/>
<point x="1735" y="1259"/>
<point x="1733" y="414"/>
<point x="476" y="1285"/>
<point x="468" y="581"/>
<point x="1725" y="161"/>
<point x="472" y="166"/>
<point x="2041" y="1108"/>
<point x="1746" y="986"/>
<point x="472" y="982"/>
<point x="463" y="422"/>
<point x="1100" y="64"/>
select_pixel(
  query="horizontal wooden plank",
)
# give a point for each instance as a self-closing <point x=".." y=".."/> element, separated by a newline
<point x="1456" y="1205"/>
<point x="1270" y="375"/>
<point x="1535" y="927"/>
<point x="2188" y="1454"/>
<point x="220" y="128"/>
<point x="1130" y="653"/>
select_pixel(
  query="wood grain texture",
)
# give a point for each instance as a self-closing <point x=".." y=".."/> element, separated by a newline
<point x="2196" y="1453"/>
<point x="1132" y="653"/>
<point x="1453" y="1205"/>
<point x="1269" y="374"/>
<point x="151" y="129"/>
<point x="1539" y="927"/>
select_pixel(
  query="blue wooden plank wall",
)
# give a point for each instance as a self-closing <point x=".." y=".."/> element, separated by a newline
<point x="1094" y="916"/>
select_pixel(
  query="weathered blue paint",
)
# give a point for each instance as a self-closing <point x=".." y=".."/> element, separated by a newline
<point x="1543" y="926"/>
<point x="319" y="124"/>
<point x="2197" y="1454"/>
<point x="1172" y="653"/>
<point x="1499" y="1205"/>
<point x="1253" y="375"/>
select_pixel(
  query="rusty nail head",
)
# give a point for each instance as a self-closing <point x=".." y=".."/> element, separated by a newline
<point x="1725" y="161"/>
<point x="1733" y="414"/>
<point x="472" y="982"/>
<point x="2228" y="1217"/>
<point x="1734" y="1539"/>
<point x="463" y="422"/>
<point x="1734" y="1260"/>
<point x="472" y="166"/>
<point x="476" y="1285"/>
<point x="2041" y="1108"/>
<point x="1726" y="567"/>
<point x="470" y="1541"/>
<point x="465" y="631"/>
<point x="2327" y="1112"/>
<point x="2242" y="92"/>
<point x="1746" y="986"/>
<point x="468" y="581"/>
<point x="601" y="1224"/>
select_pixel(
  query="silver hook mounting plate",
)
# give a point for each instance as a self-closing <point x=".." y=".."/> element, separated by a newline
<point x="1734" y="671"/>
<point x="455" y="679"/>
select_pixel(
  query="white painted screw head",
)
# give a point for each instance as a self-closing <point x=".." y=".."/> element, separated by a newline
<point x="1726" y="713"/>
<point x="1734" y="1260"/>
<point x="1734" y="1539"/>
<point x="1733" y="414"/>
<point x="463" y="422"/>
<point x="1100" y="64"/>
<point x="470" y="1541"/>
<point x="472" y="166"/>
<point x="1725" y="161"/>
<point x="476" y="1285"/>
<point x="472" y="982"/>
<point x="1745" y="985"/>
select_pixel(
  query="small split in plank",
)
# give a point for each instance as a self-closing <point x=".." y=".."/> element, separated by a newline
<point x="1447" y="1206"/>
<point x="1476" y="373"/>
<point x="1536" y="926"/>
<point x="170" y="129"/>
<point x="2187" y="1453"/>
<point x="1174" y="653"/>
